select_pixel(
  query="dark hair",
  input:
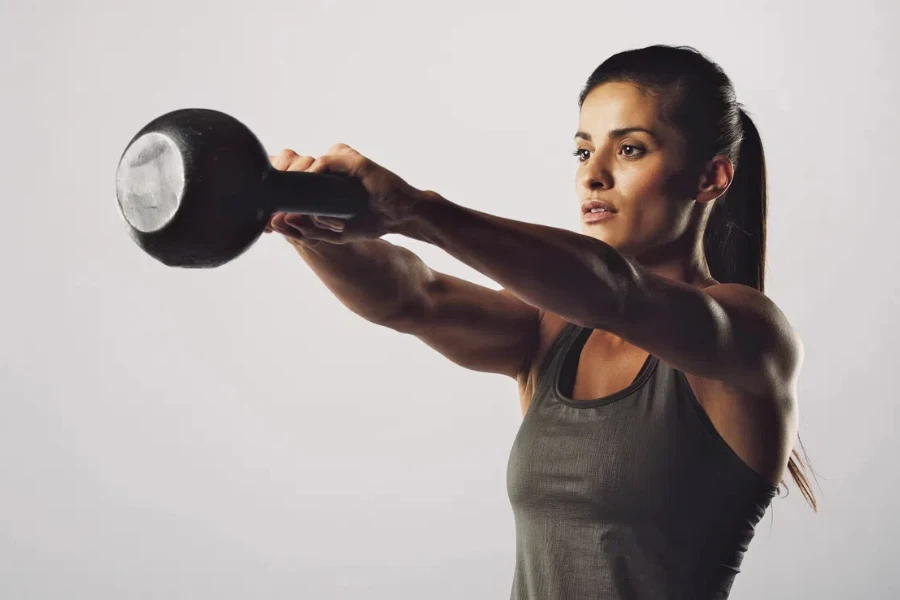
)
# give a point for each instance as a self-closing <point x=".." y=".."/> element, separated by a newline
<point x="697" y="98"/>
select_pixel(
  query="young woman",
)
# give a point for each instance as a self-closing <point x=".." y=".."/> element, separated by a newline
<point x="657" y="381"/>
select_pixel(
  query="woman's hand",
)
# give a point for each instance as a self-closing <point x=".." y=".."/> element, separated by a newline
<point x="303" y="229"/>
<point x="391" y="199"/>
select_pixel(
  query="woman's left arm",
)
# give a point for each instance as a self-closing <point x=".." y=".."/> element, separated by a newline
<point x="727" y="332"/>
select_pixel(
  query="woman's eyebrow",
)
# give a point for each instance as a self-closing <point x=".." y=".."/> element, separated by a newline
<point x="617" y="133"/>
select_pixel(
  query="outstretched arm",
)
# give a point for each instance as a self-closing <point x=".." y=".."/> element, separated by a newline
<point x="727" y="332"/>
<point x="472" y="325"/>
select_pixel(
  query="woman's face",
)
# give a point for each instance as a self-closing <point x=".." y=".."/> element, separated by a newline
<point x="640" y="173"/>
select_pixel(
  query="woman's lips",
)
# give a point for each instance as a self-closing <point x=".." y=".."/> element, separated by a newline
<point x="597" y="217"/>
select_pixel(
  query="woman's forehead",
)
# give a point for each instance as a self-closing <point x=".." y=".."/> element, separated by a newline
<point x="620" y="102"/>
<point x="615" y="105"/>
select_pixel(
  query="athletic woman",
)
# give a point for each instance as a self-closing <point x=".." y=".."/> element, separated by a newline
<point x="657" y="382"/>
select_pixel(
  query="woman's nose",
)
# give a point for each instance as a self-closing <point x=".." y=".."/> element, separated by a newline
<point x="595" y="174"/>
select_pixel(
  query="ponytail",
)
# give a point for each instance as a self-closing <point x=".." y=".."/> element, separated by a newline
<point x="735" y="236"/>
<point x="735" y="243"/>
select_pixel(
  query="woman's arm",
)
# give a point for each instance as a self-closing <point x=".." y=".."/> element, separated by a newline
<point x="728" y="332"/>
<point x="474" y="326"/>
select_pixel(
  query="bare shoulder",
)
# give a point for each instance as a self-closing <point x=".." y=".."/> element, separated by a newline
<point x="765" y="329"/>
<point x="726" y="332"/>
<point x="759" y="425"/>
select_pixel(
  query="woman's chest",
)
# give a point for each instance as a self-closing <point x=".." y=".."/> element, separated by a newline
<point x="606" y="365"/>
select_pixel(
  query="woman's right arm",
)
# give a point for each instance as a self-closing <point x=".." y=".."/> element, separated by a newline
<point x="474" y="326"/>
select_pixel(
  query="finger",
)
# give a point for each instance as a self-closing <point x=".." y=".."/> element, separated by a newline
<point x="296" y="238"/>
<point x="297" y="219"/>
<point x="292" y="220"/>
<point x="300" y="163"/>
<point x="347" y="163"/>
<point x="284" y="158"/>
<point x="292" y="233"/>
<point x="317" y="233"/>
<point x="270" y="225"/>
<point x="341" y="149"/>
<point x="269" y="228"/>
<point x="321" y="164"/>
<point x="333" y="223"/>
<point x="301" y="220"/>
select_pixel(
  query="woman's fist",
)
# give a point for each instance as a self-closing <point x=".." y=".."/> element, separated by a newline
<point x="301" y="228"/>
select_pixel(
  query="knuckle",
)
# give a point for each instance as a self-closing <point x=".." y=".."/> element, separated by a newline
<point x="364" y="165"/>
<point x="300" y="163"/>
<point x="283" y="159"/>
<point x="340" y="148"/>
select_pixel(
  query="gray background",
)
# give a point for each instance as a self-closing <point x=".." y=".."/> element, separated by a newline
<point x="237" y="433"/>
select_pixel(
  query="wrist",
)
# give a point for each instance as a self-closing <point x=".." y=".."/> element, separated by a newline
<point x="418" y="215"/>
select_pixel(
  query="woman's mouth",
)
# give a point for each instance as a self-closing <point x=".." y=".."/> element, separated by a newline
<point x="597" y="215"/>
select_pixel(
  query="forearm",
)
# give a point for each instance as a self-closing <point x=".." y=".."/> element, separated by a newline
<point x="377" y="280"/>
<point x="559" y="271"/>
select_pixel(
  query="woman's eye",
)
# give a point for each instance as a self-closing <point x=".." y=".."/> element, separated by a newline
<point x="629" y="150"/>
<point x="638" y="150"/>
<point x="578" y="153"/>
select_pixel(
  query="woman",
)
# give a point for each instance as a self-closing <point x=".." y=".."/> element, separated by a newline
<point x="657" y="381"/>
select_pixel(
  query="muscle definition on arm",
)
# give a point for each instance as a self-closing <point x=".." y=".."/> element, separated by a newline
<point x="727" y="332"/>
<point x="474" y="326"/>
<point x="379" y="281"/>
<point x="575" y="276"/>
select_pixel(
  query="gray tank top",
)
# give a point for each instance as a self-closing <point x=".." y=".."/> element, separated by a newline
<point x="630" y="496"/>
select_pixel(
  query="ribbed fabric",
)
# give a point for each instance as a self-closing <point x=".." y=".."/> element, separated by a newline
<point x="632" y="496"/>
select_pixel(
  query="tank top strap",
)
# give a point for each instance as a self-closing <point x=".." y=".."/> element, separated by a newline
<point x="553" y="360"/>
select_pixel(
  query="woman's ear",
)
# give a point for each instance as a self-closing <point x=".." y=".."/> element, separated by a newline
<point x="715" y="179"/>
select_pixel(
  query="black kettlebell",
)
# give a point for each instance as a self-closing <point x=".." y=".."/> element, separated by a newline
<point x="196" y="189"/>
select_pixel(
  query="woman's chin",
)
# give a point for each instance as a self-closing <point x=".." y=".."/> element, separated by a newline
<point x="598" y="233"/>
